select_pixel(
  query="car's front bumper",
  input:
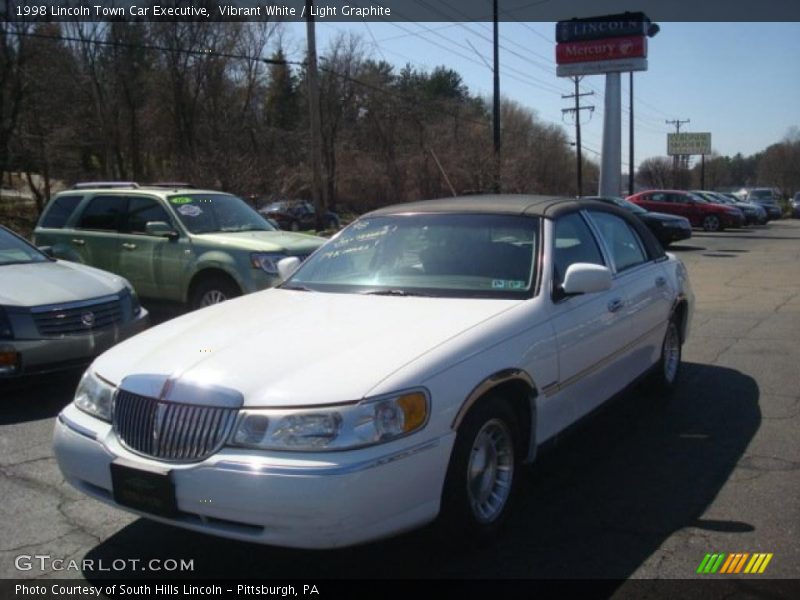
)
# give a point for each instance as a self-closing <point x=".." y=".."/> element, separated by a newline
<point x="50" y="354"/>
<point x="674" y="234"/>
<point x="325" y="500"/>
<point x="732" y="220"/>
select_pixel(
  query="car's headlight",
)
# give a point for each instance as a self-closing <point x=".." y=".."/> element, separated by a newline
<point x="136" y="305"/>
<point x="6" y="331"/>
<point x="343" y="427"/>
<point x="266" y="261"/>
<point x="95" y="396"/>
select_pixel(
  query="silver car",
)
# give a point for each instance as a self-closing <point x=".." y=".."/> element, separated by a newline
<point x="56" y="314"/>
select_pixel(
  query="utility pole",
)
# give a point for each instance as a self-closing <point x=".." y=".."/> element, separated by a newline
<point x="677" y="160"/>
<point x="577" y="112"/>
<point x="631" y="168"/>
<point x="318" y="190"/>
<point x="611" y="159"/>
<point x="496" y="108"/>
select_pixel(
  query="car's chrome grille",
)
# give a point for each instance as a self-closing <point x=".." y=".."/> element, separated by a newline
<point x="78" y="317"/>
<point x="168" y="430"/>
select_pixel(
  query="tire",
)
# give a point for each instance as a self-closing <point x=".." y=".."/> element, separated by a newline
<point x="294" y="226"/>
<point x="333" y="224"/>
<point x="666" y="372"/>
<point x="712" y="223"/>
<point x="481" y="480"/>
<point x="213" y="289"/>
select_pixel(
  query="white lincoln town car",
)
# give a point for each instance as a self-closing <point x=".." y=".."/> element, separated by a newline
<point x="404" y="372"/>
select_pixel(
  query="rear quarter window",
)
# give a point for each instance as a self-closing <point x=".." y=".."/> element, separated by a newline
<point x="59" y="211"/>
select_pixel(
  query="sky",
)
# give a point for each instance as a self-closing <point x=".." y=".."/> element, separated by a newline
<point x="739" y="81"/>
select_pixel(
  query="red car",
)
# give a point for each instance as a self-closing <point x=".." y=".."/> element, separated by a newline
<point x="700" y="212"/>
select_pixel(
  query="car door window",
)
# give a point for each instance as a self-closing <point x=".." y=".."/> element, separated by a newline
<point x="142" y="211"/>
<point x="574" y="243"/>
<point x="104" y="213"/>
<point x="627" y="250"/>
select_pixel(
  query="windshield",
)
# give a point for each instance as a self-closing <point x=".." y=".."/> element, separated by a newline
<point x="625" y="204"/>
<point x="457" y="255"/>
<point x="761" y="195"/>
<point x="712" y="198"/>
<point x="15" y="251"/>
<point x="212" y="213"/>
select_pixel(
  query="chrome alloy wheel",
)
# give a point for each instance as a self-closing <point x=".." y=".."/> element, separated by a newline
<point x="672" y="353"/>
<point x="213" y="297"/>
<point x="490" y="471"/>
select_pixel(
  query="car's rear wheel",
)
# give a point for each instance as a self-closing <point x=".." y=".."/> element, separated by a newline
<point x="665" y="376"/>
<point x="213" y="289"/>
<point x="481" y="478"/>
<point x="294" y="226"/>
<point x="712" y="223"/>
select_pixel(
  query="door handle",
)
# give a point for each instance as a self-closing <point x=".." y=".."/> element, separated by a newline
<point x="79" y="242"/>
<point x="129" y="246"/>
<point x="661" y="281"/>
<point x="615" y="305"/>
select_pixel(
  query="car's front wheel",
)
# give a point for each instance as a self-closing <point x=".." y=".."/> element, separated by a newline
<point x="213" y="290"/>
<point x="482" y="475"/>
<point x="712" y="223"/>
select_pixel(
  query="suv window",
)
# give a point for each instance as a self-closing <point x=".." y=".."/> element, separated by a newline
<point x="59" y="211"/>
<point x="144" y="210"/>
<point x="627" y="250"/>
<point x="574" y="243"/>
<point x="658" y="197"/>
<point x="103" y="213"/>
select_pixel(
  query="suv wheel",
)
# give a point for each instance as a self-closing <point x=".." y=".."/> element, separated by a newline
<point x="481" y="479"/>
<point x="712" y="223"/>
<point x="294" y="226"/>
<point x="213" y="290"/>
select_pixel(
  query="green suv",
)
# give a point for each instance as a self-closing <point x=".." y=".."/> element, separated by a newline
<point x="176" y="244"/>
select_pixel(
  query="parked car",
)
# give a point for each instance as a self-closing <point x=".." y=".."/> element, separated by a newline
<point x="58" y="315"/>
<point x="753" y="213"/>
<point x="298" y="215"/>
<point x="711" y="217"/>
<point x="795" y="205"/>
<point x="767" y="198"/>
<point x="183" y="245"/>
<point x="666" y="228"/>
<point x="451" y="339"/>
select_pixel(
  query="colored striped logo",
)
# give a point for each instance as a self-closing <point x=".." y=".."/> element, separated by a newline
<point x="736" y="562"/>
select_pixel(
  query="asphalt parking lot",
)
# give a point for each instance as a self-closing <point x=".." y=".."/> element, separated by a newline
<point x="642" y="490"/>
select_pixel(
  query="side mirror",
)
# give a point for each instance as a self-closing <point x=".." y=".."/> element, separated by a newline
<point x="585" y="278"/>
<point x="48" y="250"/>
<point x="160" y="229"/>
<point x="287" y="266"/>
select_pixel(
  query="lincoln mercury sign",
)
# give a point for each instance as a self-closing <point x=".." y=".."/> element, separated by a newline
<point x="682" y="144"/>
<point x="610" y="44"/>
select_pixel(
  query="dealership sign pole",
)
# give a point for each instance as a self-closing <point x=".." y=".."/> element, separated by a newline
<point x="612" y="45"/>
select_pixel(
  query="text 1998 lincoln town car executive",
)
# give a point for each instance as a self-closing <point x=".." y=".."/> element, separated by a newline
<point x="407" y="369"/>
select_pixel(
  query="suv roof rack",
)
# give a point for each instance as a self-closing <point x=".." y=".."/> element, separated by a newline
<point x="172" y="185"/>
<point x="106" y="185"/>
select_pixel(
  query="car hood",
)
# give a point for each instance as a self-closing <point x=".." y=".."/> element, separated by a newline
<point x="264" y="241"/>
<point x="54" y="282"/>
<point x="656" y="216"/>
<point x="291" y="348"/>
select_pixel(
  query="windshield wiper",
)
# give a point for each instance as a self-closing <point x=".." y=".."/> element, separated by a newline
<point x="392" y="292"/>
<point x="296" y="288"/>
